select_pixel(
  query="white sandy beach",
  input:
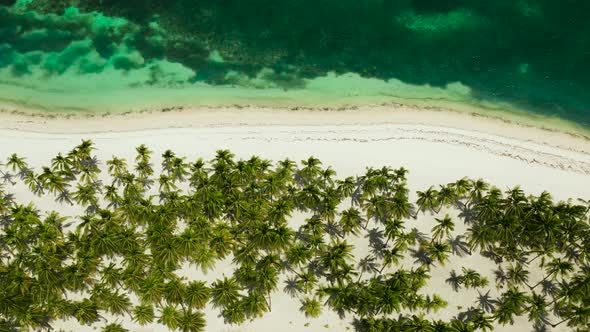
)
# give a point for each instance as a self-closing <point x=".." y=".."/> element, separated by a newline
<point x="436" y="146"/>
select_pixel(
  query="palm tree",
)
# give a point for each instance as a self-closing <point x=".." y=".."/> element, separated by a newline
<point x="117" y="303"/>
<point x="85" y="195"/>
<point x="196" y="295"/>
<point x="427" y="200"/>
<point x="376" y="208"/>
<point x="298" y="255"/>
<point x="311" y="307"/>
<point x="392" y="256"/>
<point x="310" y="171"/>
<point x="167" y="252"/>
<point x="170" y="317"/>
<point x="443" y="228"/>
<point x="480" y="237"/>
<point x="225" y="292"/>
<point x="481" y="322"/>
<point x="167" y="183"/>
<point x="86" y="312"/>
<point x="326" y="177"/>
<point x="174" y="291"/>
<point x="114" y="327"/>
<point x="478" y="189"/>
<point x="345" y="187"/>
<point x="16" y="163"/>
<point x="33" y="182"/>
<point x="267" y="280"/>
<point x="510" y="304"/>
<point x="462" y="187"/>
<point x="52" y="181"/>
<point x="446" y="197"/>
<point x="191" y="321"/>
<point x="400" y="207"/>
<point x="336" y="255"/>
<point x="234" y="314"/>
<point x="222" y="240"/>
<point x="538" y="310"/>
<point x="393" y="229"/>
<point x="438" y="251"/>
<point x="418" y="324"/>
<point x="472" y="279"/>
<point x="128" y="250"/>
<point x="143" y="314"/>
<point x="151" y="289"/>
<point x="556" y="267"/>
<point x="306" y="281"/>
<point x="435" y="303"/>
<point x="254" y="304"/>
<point x="517" y="275"/>
<point x="60" y="163"/>
<point x="117" y="167"/>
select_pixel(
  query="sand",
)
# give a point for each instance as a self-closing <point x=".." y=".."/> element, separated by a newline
<point x="436" y="146"/>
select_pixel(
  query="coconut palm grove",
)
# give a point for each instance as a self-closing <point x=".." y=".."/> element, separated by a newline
<point x="285" y="227"/>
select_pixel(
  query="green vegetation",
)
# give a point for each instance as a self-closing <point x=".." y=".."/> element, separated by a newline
<point x="122" y="256"/>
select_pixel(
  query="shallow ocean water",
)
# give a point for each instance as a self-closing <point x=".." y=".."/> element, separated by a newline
<point x="111" y="56"/>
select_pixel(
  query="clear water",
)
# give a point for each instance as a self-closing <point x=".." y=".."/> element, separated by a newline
<point x="111" y="56"/>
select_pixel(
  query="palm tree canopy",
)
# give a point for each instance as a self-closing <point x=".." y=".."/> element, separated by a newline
<point x="281" y="225"/>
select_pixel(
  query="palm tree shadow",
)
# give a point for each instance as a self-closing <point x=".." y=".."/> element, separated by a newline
<point x="90" y="162"/>
<point x="485" y="302"/>
<point x="162" y="196"/>
<point x="23" y="172"/>
<point x="540" y="327"/>
<point x="501" y="276"/>
<point x="468" y="314"/>
<point x="334" y="230"/>
<point x="9" y="198"/>
<point x="315" y="267"/>
<point x="145" y="182"/>
<point x="491" y="254"/>
<point x="359" y="325"/>
<point x="378" y="252"/>
<point x="422" y="257"/>
<point x="467" y="213"/>
<point x="548" y="287"/>
<point x="38" y="191"/>
<point x="418" y="236"/>
<point x="572" y="253"/>
<point x="291" y="287"/>
<point x="455" y="281"/>
<point x="5" y="220"/>
<point x="376" y="237"/>
<point x="64" y="197"/>
<point x="302" y="236"/>
<point x="355" y="197"/>
<point x="8" y="177"/>
<point x="91" y="209"/>
<point x="459" y="246"/>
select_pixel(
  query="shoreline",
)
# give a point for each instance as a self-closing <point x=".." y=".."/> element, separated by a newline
<point x="554" y="132"/>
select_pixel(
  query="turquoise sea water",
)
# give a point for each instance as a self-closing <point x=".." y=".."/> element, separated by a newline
<point x="109" y="55"/>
